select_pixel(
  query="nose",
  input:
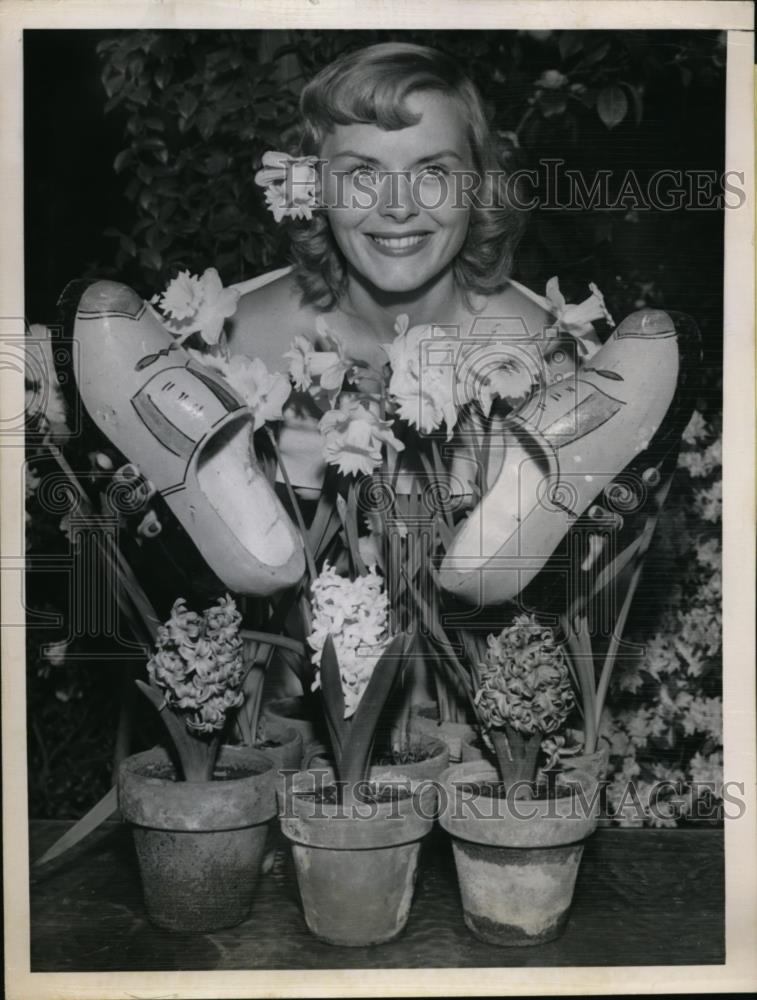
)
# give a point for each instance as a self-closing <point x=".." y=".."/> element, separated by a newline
<point x="396" y="199"/>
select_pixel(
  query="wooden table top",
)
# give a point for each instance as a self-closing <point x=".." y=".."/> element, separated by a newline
<point x="643" y="897"/>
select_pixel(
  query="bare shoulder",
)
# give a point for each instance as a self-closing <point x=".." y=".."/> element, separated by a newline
<point x="512" y="304"/>
<point x="268" y="319"/>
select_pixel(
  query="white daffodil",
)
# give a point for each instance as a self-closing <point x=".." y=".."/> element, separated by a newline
<point x="353" y="437"/>
<point x="290" y="185"/>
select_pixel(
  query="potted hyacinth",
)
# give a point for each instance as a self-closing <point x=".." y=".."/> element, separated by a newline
<point x="518" y="842"/>
<point x="200" y="812"/>
<point x="355" y="615"/>
<point x="355" y="830"/>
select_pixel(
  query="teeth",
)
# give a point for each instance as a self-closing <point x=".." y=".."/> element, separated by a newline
<point x="398" y="242"/>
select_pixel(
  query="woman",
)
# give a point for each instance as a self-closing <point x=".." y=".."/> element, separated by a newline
<point x="416" y="221"/>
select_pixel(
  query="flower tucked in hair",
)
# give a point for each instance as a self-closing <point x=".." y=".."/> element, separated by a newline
<point x="524" y="681"/>
<point x="264" y="392"/>
<point x="197" y="304"/>
<point x="290" y="183"/>
<point x="353" y="436"/>
<point x="355" y="614"/>
<point x="198" y="664"/>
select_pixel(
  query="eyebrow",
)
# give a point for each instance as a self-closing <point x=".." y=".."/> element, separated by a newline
<point x="345" y="153"/>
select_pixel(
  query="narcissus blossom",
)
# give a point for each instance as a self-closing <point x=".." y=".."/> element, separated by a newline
<point x="423" y="380"/>
<point x="313" y="370"/>
<point x="266" y="393"/>
<point x="290" y="185"/>
<point x="197" y="304"/>
<point x="353" y="437"/>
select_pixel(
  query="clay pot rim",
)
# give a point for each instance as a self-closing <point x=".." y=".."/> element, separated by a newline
<point x="163" y="804"/>
<point x="389" y="823"/>
<point x="288" y="733"/>
<point x="431" y="742"/>
<point x="552" y="829"/>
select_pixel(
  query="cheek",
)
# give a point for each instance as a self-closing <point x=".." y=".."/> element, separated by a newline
<point x="437" y="196"/>
<point x="344" y="222"/>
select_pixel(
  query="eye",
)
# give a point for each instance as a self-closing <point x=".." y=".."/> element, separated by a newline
<point x="434" y="170"/>
<point x="365" y="172"/>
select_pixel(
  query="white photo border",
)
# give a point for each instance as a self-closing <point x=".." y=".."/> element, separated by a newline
<point x="739" y="973"/>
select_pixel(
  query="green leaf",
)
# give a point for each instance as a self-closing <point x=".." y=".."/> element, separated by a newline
<point x="105" y="809"/>
<point x="113" y="82"/>
<point x="595" y="55"/>
<point x="612" y="105"/>
<point x="124" y="158"/>
<point x="638" y="102"/>
<point x="150" y="258"/>
<point x="569" y="43"/>
<point x="356" y="752"/>
<point x="187" y="104"/>
<point x="128" y="245"/>
<point x="333" y="699"/>
<point x="162" y="76"/>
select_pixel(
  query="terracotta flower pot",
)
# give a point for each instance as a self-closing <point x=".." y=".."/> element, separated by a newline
<point x="199" y="844"/>
<point x="296" y="713"/>
<point x="472" y="749"/>
<point x="424" y="719"/>
<point x="356" y="873"/>
<point x="516" y="861"/>
<point x="286" y="748"/>
<point x="429" y="769"/>
<point x="595" y="763"/>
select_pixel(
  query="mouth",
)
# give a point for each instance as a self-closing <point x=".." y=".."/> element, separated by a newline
<point x="399" y="246"/>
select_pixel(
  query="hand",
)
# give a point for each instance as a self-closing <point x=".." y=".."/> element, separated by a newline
<point x="129" y="495"/>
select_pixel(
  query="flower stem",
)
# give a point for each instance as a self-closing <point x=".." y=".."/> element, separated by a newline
<point x="516" y="757"/>
<point x="297" y="512"/>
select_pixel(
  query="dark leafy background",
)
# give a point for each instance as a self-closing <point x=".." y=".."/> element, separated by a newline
<point x="140" y="151"/>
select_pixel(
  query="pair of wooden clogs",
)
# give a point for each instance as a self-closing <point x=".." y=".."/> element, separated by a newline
<point x="189" y="433"/>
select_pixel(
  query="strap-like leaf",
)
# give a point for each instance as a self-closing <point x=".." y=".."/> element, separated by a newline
<point x="333" y="698"/>
<point x="324" y="523"/>
<point x="105" y="809"/>
<point x="356" y="754"/>
<point x="351" y="530"/>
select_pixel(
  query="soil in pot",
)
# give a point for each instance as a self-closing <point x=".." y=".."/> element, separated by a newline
<point x="425" y="719"/>
<point x="425" y="758"/>
<point x="199" y="844"/>
<point x="298" y="713"/>
<point x="516" y="862"/>
<point x="283" y="744"/>
<point x="533" y="792"/>
<point x="356" y="863"/>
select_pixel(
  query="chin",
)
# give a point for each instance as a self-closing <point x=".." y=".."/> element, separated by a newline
<point x="402" y="278"/>
<point x="400" y="283"/>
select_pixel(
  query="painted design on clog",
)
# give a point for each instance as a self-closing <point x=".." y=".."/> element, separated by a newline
<point x="653" y="324"/>
<point x="110" y="298"/>
<point x="593" y="408"/>
<point x="180" y="406"/>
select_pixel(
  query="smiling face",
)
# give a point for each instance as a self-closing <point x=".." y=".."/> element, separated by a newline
<point x="391" y="195"/>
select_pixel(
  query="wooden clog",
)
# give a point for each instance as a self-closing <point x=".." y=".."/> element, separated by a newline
<point x="189" y="433"/>
<point x="588" y="428"/>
